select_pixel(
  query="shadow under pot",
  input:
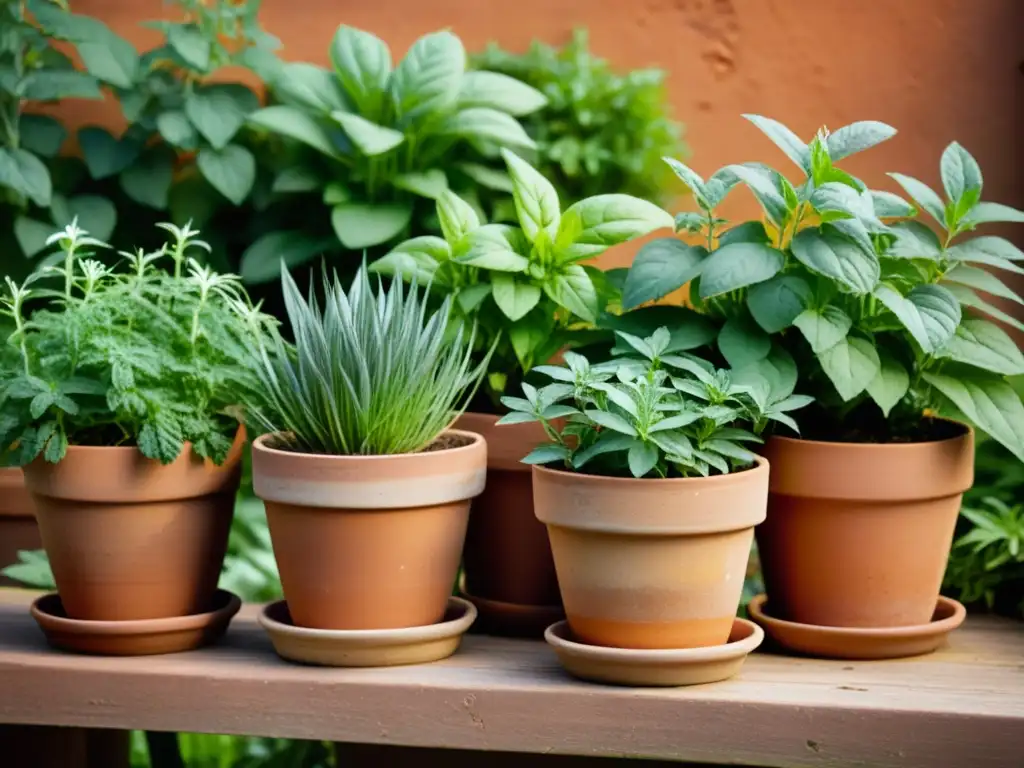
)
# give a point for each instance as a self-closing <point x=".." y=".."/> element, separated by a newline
<point x="129" y="538"/>
<point x="369" y="542"/>
<point x="508" y="570"/>
<point x="858" y="534"/>
<point x="651" y="563"/>
<point x="18" y="529"/>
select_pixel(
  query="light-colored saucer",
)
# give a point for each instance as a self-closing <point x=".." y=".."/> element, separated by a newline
<point x="134" y="638"/>
<point x="511" y="619"/>
<point x="625" y="666"/>
<point x="367" y="647"/>
<point x="858" y="643"/>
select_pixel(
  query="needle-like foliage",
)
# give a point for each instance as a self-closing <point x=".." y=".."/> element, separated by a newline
<point x="371" y="373"/>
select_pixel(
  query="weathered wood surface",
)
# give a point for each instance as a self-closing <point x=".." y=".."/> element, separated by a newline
<point x="962" y="706"/>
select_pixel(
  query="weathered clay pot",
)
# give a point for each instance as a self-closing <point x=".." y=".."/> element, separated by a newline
<point x="507" y="557"/>
<point x="129" y="538"/>
<point x="651" y="563"/>
<point x="858" y="534"/>
<point x="369" y="542"/>
<point x="18" y="529"/>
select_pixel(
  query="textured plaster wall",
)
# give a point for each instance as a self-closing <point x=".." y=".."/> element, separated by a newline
<point x="936" y="69"/>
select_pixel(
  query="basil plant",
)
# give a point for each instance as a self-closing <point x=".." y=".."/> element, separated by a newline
<point x="382" y="137"/>
<point x="879" y="311"/>
<point x="524" y="285"/>
<point x="651" y="413"/>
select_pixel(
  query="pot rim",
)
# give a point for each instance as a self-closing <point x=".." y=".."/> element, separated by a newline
<point x="968" y="431"/>
<point x="260" y="444"/>
<point x="760" y="465"/>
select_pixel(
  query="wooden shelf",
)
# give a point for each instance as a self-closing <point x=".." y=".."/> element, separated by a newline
<point x="962" y="707"/>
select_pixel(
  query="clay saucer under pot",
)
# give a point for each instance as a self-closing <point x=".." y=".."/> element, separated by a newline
<point x="856" y="643"/>
<point x="367" y="647"/>
<point x="146" y="637"/>
<point x="667" y="668"/>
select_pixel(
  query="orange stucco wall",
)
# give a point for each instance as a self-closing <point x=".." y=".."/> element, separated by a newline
<point x="936" y="69"/>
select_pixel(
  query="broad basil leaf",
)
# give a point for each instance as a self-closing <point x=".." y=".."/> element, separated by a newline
<point x="32" y="235"/>
<point x="497" y="247"/>
<point x="177" y="129"/>
<point x="969" y="298"/>
<point x="591" y="226"/>
<point x="535" y="197"/>
<point x="930" y="312"/>
<point x="747" y="232"/>
<point x="103" y="154"/>
<point x="26" y="174"/>
<point x="989" y="402"/>
<point x="428" y="79"/>
<point x="914" y="241"/>
<point x="457" y="217"/>
<point x="857" y="137"/>
<point x="784" y="139"/>
<point x="890" y="383"/>
<point x="363" y="63"/>
<point x="112" y="60"/>
<point x="988" y="213"/>
<point x="738" y="265"/>
<point x="993" y="251"/>
<point x="295" y="124"/>
<point x="262" y="260"/>
<point x="418" y="257"/>
<point x="231" y="171"/>
<point x="924" y="196"/>
<point x="987" y="346"/>
<point x="762" y="183"/>
<point x="692" y="180"/>
<point x="41" y="134"/>
<point x="741" y="342"/>
<point x="888" y="205"/>
<point x="823" y="328"/>
<point x="191" y="44"/>
<point x="660" y="267"/>
<point x="501" y="92"/>
<point x="370" y="138"/>
<point x="850" y="365"/>
<point x="57" y="84"/>
<point x="981" y="280"/>
<point x="361" y="225"/>
<point x="430" y="184"/>
<point x="148" y="180"/>
<point x="297" y="82"/>
<point x="835" y="256"/>
<point x="574" y="290"/>
<point x="218" y="111"/>
<point x="776" y="303"/>
<point x="489" y="125"/>
<point x="960" y="173"/>
<point x="514" y="297"/>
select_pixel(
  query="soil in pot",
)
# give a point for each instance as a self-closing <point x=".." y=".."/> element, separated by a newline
<point x="369" y="542"/>
<point x="18" y="529"/>
<point x="129" y="538"/>
<point x="651" y="563"/>
<point x="858" y="534"/>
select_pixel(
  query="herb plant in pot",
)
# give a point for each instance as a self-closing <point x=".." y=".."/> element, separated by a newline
<point x="652" y="505"/>
<point x="367" y="488"/>
<point x="531" y="296"/>
<point x="121" y="412"/>
<point x="879" y="315"/>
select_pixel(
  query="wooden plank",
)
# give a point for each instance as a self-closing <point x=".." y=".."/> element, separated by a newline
<point x="963" y="706"/>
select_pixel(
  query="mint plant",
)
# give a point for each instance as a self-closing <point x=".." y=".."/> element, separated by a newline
<point x="149" y="357"/>
<point x="381" y="138"/>
<point x="651" y="413"/>
<point x="524" y="285"/>
<point x="879" y="313"/>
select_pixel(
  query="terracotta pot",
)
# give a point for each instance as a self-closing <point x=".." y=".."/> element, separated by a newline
<point x="651" y="563"/>
<point x="18" y="529"/>
<point x="858" y="534"/>
<point x="507" y="557"/>
<point x="129" y="538"/>
<point x="369" y="542"/>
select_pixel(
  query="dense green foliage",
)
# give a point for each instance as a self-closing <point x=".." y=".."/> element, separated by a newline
<point x="148" y="357"/>
<point x="524" y="285"/>
<point x="370" y="374"/>
<point x="601" y="131"/>
<point x="878" y="312"/>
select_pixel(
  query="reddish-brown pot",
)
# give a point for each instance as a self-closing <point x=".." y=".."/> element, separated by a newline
<point x="507" y="557"/>
<point x="129" y="538"/>
<point x="369" y="542"/>
<point x="857" y="534"/>
<point x="18" y="529"/>
<point x="651" y="563"/>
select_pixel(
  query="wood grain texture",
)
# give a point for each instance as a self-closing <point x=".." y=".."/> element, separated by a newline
<point x="963" y="706"/>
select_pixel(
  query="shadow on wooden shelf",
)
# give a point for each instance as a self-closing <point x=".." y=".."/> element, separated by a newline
<point x="377" y="756"/>
<point x="44" y="746"/>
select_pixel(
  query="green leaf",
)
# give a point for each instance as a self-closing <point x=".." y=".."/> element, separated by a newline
<point x="31" y="235"/>
<point x="923" y="195"/>
<point x="747" y="232"/>
<point x="960" y="173"/>
<point x="363" y="63"/>
<point x="914" y="241"/>
<point x="850" y="365"/>
<point x="888" y="205"/>
<point x="823" y="328"/>
<point x="545" y="454"/>
<point x="591" y="226"/>
<point x="418" y="257"/>
<point x="177" y="129"/>
<point x="738" y="265"/>
<point x="25" y="174"/>
<point x="488" y="178"/>
<point x="430" y="184"/>
<point x="530" y="334"/>
<point x="762" y="183"/>
<point x="535" y="198"/>
<point x="890" y="383"/>
<point x="231" y="171"/>
<point x="370" y="138"/>
<point x="261" y="262"/>
<point x="361" y="225"/>
<point x="835" y="256"/>
<point x="660" y="267"/>
<point x="988" y="213"/>
<point x="930" y="312"/>
<point x="457" y="217"/>
<point x="218" y="111"/>
<point x="687" y="329"/>
<point x="692" y="180"/>
<point x="985" y="345"/>
<point x="489" y="125"/>
<point x="56" y="446"/>
<point x="496" y="247"/>
<point x="308" y="85"/>
<point x="95" y="214"/>
<point x="40" y="403"/>
<point x="428" y="79"/>
<point x="969" y="298"/>
<point x="642" y="458"/>
<point x="993" y="251"/>
<point x="612" y="421"/>
<point x="104" y="155"/>
<point x="514" y="297"/>
<point x="784" y="139"/>
<point x="57" y="84"/>
<point x="41" y="134"/>
<point x="191" y="44"/>
<point x="148" y="180"/>
<point x="112" y="60"/>
<point x="161" y="439"/>
<point x="857" y="137"/>
<point x="989" y="402"/>
<point x="741" y="342"/>
<point x="295" y="178"/>
<point x="981" y="280"/>
<point x="574" y="290"/>
<point x="295" y="124"/>
<point x="776" y="303"/>
<point x="501" y="92"/>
